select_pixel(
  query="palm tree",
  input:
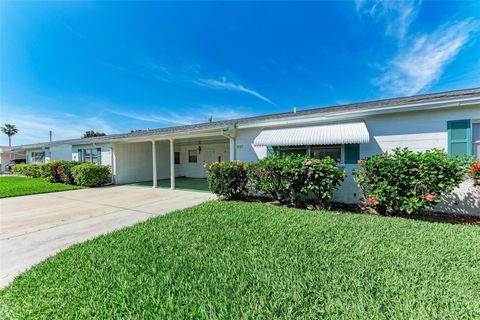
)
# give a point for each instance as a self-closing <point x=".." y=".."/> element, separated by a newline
<point x="9" y="130"/>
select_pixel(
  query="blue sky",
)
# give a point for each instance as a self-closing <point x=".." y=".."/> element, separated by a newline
<point x="115" y="66"/>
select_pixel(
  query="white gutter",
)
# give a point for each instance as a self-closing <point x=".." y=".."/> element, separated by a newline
<point x="347" y="115"/>
<point x="159" y="137"/>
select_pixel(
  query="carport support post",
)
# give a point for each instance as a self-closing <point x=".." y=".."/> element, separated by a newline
<point x="114" y="163"/>
<point x="154" y="162"/>
<point x="172" y="165"/>
<point x="232" y="148"/>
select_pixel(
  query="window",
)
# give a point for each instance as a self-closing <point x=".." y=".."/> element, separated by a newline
<point x="192" y="156"/>
<point x="334" y="152"/>
<point x="177" y="157"/>
<point x="38" y="157"/>
<point x="293" y="150"/>
<point x="317" y="152"/>
<point x="476" y="139"/>
<point x="90" y="155"/>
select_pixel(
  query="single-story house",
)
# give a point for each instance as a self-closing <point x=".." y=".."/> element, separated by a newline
<point x="445" y="120"/>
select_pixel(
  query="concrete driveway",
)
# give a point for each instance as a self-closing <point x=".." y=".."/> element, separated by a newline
<point x="35" y="227"/>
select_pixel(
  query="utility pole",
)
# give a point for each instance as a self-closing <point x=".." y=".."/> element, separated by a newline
<point x="50" y="135"/>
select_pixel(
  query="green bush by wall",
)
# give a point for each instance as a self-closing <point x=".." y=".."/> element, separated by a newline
<point x="288" y="178"/>
<point x="407" y="182"/>
<point x="91" y="175"/>
<point x="228" y="179"/>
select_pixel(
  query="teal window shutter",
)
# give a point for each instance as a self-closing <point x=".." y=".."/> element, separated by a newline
<point x="32" y="157"/>
<point x="459" y="138"/>
<point x="99" y="155"/>
<point x="79" y="154"/>
<point x="352" y="153"/>
<point x="43" y="157"/>
<point x="271" y="150"/>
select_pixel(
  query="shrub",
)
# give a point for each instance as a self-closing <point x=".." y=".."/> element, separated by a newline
<point x="91" y="175"/>
<point x="228" y="179"/>
<point x="28" y="170"/>
<point x="279" y="176"/>
<point x="287" y="178"/>
<point x="323" y="177"/>
<point x="65" y="171"/>
<point x="50" y="171"/>
<point x="407" y="182"/>
<point x="59" y="171"/>
<point x="475" y="170"/>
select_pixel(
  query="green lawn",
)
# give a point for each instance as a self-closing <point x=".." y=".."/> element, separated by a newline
<point x="19" y="186"/>
<point x="230" y="260"/>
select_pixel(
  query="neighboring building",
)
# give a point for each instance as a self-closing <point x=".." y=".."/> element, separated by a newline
<point x="6" y="154"/>
<point x="446" y="120"/>
<point x="44" y="152"/>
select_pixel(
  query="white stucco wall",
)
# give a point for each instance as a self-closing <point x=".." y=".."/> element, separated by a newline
<point x="245" y="150"/>
<point x="418" y="131"/>
<point x="59" y="152"/>
<point x="210" y="153"/>
<point x="134" y="162"/>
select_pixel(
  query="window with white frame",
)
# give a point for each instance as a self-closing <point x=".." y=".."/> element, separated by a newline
<point x="90" y="155"/>
<point x="476" y="139"/>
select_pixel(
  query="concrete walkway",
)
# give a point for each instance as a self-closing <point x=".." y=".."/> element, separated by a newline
<point x="35" y="227"/>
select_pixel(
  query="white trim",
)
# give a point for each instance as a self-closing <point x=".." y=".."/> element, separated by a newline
<point x="172" y="164"/>
<point x="154" y="164"/>
<point x="349" y="115"/>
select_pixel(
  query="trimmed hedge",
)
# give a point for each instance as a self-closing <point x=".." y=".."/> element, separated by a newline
<point x="28" y="170"/>
<point x="64" y="172"/>
<point x="228" y="179"/>
<point x="59" y="171"/>
<point x="91" y="175"/>
<point x="407" y="182"/>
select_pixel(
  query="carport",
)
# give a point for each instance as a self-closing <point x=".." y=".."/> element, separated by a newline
<point x="161" y="161"/>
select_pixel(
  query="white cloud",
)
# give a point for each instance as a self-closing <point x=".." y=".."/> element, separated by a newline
<point x="226" y="85"/>
<point x="184" y="75"/>
<point x="190" y="116"/>
<point x="34" y="127"/>
<point x="422" y="59"/>
<point x="166" y="117"/>
<point x="397" y="15"/>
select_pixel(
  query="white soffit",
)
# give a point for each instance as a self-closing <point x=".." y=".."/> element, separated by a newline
<point x="341" y="133"/>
